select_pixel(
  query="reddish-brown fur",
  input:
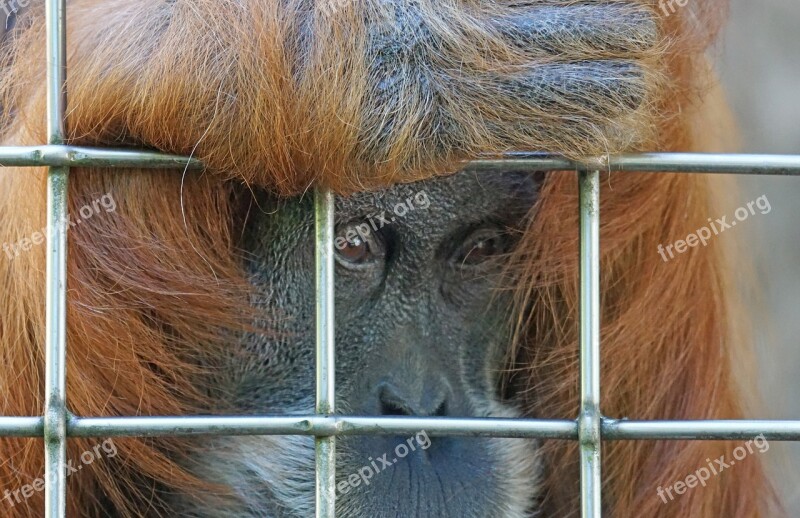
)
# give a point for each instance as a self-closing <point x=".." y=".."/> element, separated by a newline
<point x="156" y="285"/>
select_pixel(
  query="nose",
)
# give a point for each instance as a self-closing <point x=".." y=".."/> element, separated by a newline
<point x="428" y="401"/>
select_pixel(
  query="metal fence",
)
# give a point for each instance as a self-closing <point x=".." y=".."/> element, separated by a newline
<point x="589" y="427"/>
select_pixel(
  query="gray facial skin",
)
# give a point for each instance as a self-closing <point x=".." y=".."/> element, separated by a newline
<point x="421" y="329"/>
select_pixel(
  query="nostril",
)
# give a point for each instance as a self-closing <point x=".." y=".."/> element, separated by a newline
<point x="392" y="403"/>
<point x="389" y="408"/>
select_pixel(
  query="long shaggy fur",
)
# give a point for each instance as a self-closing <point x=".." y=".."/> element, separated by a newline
<point x="268" y="93"/>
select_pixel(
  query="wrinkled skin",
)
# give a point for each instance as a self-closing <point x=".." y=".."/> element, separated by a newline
<point x="421" y="329"/>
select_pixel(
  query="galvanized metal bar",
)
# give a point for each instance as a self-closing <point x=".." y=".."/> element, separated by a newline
<point x="612" y="429"/>
<point x="55" y="415"/>
<point x="742" y="164"/>
<point x="21" y="426"/>
<point x="702" y="430"/>
<point x="718" y="163"/>
<point x="321" y="426"/>
<point x="75" y="156"/>
<point x="590" y="418"/>
<point x="326" y="366"/>
<point x="56" y="22"/>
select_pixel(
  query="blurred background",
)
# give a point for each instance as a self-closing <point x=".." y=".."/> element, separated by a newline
<point x="758" y="61"/>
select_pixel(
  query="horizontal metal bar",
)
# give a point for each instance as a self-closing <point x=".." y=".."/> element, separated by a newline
<point x="321" y="426"/>
<point x="21" y="427"/>
<point x="612" y="429"/>
<point x="773" y="430"/>
<point x="780" y="165"/>
<point x="71" y="156"/>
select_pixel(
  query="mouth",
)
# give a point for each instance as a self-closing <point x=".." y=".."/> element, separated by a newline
<point x="444" y="477"/>
<point x="376" y="477"/>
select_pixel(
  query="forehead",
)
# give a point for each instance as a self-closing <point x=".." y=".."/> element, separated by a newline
<point x="455" y="196"/>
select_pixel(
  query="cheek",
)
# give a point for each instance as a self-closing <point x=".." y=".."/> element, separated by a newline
<point x="274" y="377"/>
<point x="463" y="296"/>
<point x="474" y="303"/>
<point x="487" y="328"/>
<point x="274" y="368"/>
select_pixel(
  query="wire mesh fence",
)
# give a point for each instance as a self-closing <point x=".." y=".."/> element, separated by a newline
<point x="590" y="428"/>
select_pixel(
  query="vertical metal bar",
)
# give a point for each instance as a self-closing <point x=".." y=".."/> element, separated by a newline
<point x="55" y="428"/>
<point x="589" y="420"/>
<point x="325" y="446"/>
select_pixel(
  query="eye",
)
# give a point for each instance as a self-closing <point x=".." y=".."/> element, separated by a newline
<point x="356" y="251"/>
<point x="481" y="246"/>
<point x="357" y="245"/>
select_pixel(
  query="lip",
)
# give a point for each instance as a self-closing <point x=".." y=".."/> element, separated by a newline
<point x="450" y="478"/>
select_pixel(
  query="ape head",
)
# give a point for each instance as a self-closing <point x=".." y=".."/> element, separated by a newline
<point x="195" y="296"/>
<point x="421" y="329"/>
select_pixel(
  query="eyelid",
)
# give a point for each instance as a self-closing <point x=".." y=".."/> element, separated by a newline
<point x="362" y="231"/>
<point x="489" y="231"/>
